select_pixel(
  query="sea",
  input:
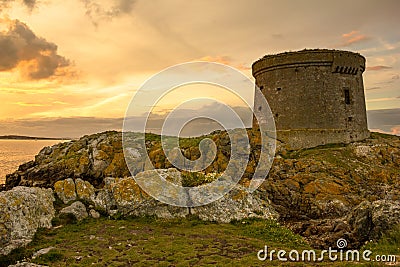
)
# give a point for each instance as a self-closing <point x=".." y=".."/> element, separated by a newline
<point x="15" y="152"/>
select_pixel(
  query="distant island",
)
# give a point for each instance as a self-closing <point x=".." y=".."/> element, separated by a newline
<point x="22" y="137"/>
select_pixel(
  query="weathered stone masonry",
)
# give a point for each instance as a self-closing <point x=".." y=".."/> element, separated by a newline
<point x="316" y="96"/>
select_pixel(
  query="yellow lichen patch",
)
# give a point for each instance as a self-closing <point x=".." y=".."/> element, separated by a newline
<point x="65" y="190"/>
<point x="3" y="231"/>
<point x="17" y="202"/>
<point x="84" y="190"/>
<point x="84" y="160"/>
<point x="239" y="195"/>
<point x="69" y="189"/>
<point x="3" y="200"/>
<point x="126" y="190"/>
<point x="322" y="186"/>
<point x="101" y="155"/>
<point x="117" y="167"/>
<point x="59" y="187"/>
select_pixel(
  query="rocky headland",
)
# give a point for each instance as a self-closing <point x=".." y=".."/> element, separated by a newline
<point x="349" y="191"/>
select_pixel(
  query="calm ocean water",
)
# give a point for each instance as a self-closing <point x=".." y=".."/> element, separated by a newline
<point x="15" y="152"/>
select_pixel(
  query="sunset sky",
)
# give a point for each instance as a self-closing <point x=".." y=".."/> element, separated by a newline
<point x="69" y="68"/>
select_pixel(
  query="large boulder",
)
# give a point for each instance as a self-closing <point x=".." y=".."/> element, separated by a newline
<point x="370" y="220"/>
<point x="69" y="190"/>
<point x="22" y="211"/>
<point x="124" y="195"/>
<point x="65" y="190"/>
<point x="237" y="204"/>
<point x="76" y="209"/>
<point x="84" y="190"/>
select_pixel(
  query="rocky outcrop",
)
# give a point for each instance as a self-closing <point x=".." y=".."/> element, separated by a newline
<point x="124" y="197"/>
<point x="22" y="211"/>
<point x="369" y="220"/>
<point x="313" y="190"/>
<point x="328" y="192"/>
<point x="90" y="158"/>
<point x="127" y="198"/>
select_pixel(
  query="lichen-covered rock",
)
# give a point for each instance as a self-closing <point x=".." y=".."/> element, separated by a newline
<point x="94" y="214"/>
<point x="237" y="204"/>
<point x="84" y="190"/>
<point x="22" y="211"/>
<point x="123" y="195"/>
<point x="91" y="158"/>
<point x="41" y="252"/>
<point x="370" y="220"/>
<point x="385" y="215"/>
<point x="65" y="190"/>
<point x="104" y="199"/>
<point x="319" y="185"/>
<point x="77" y="209"/>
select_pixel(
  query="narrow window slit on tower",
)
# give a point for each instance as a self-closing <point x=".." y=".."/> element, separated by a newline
<point x="347" y="96"/>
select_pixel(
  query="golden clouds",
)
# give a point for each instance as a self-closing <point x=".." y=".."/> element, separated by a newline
<point x="224" y="60"/>
<point x="33" y="57"/>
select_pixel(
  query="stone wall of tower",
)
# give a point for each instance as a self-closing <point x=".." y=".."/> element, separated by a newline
<point x="316" y="96"/>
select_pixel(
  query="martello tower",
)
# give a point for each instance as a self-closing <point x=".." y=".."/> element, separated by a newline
<point x="316" y="96"/>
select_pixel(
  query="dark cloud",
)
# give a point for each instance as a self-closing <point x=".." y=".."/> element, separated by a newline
<point x="79" y="126"/>
<point x="30" y="4"/>
<point x="33" y="56"/>
<point x="98" y="12"/>
<point x="379" y="67"/>
<point x="384" y="120"/>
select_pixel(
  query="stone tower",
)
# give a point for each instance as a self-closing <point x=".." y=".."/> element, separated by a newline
<point x="316" y="96"/>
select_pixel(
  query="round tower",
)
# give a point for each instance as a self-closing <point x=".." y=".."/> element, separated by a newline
<point x="316" y="96"/>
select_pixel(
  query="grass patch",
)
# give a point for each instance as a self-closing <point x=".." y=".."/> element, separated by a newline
<point x="388" y="244"/>
<point x="147" y="241"/>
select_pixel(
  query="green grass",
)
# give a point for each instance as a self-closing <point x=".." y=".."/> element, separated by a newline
<point x="388" y="244"/>
<point x="155" y="242"/>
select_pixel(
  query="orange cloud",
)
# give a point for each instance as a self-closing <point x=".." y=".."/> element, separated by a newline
<point x="223" y="60"/>
<point x="379" y="67"/>
<point x="352" y="38"/>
